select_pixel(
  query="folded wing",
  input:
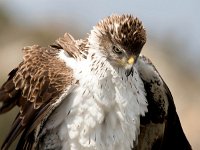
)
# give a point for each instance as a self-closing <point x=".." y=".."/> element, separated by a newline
<point x="160" y="127"/>
<point x="36" y="86"/>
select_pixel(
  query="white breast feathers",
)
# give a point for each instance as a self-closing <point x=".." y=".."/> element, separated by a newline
<point x="103" y="112"/>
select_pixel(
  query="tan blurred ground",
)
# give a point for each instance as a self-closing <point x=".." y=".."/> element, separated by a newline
<point x="183" y="84"/>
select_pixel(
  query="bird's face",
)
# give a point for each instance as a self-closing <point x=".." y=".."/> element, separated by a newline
<point x="121" y="58"/>
<point x="120" y="39"/>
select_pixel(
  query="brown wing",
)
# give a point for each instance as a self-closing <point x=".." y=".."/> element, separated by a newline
<point x="34" y="86"/>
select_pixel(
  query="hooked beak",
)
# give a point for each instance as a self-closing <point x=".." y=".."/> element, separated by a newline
<point x="129" y="67"/>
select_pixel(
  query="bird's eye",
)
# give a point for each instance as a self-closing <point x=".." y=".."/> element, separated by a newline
<point x="116" y="50"/>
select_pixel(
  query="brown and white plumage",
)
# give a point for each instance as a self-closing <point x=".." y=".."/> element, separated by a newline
<point x="90" y="94"/>
<point x="35" y="87"/>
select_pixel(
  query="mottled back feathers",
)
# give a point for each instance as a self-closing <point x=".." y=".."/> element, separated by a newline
<point x="35" y="86"/>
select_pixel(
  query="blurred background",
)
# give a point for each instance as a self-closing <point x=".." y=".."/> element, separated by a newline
<point x="173" y="29"/>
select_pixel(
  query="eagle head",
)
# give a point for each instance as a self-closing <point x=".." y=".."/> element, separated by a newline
<point x="120" y="39"/>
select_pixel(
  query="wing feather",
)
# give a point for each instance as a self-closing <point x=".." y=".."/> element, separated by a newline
<point x="160" y="126"/>
<point x="35" y="86"/>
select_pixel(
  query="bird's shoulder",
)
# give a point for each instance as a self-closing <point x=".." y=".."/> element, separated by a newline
<point x="160" y="126"/>
<point x="36" y="86"/>
<point x="156" y="89"/>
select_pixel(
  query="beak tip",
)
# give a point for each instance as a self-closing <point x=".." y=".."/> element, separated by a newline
<point x="129" y="71"/>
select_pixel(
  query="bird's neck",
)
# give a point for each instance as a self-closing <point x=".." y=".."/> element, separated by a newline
<point x="112" y="101"/>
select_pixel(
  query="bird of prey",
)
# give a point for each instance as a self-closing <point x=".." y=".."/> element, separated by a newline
<point x="98" y="93"/>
